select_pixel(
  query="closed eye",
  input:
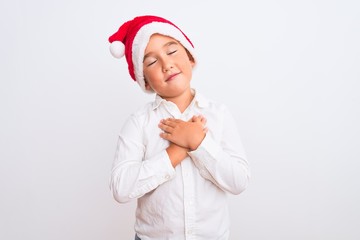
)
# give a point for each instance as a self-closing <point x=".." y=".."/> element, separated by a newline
<point x="172" y="52"/>
<point x="151" y="63"/>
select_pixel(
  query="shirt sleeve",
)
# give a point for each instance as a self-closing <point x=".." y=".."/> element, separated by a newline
<point x="223" y="162"/>
<point x="132" y="176"/>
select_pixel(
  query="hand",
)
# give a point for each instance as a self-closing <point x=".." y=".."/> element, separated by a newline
<point x="185" y="134"/>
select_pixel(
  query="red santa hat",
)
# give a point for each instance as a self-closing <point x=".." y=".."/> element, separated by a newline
<point x="133" y="36"/>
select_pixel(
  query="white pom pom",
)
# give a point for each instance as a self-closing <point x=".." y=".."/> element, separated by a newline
<point x="117" y="49"/>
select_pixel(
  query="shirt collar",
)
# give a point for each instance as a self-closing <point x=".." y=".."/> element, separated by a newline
<point x="158" y="101"/>
<point x="199" y="100"/>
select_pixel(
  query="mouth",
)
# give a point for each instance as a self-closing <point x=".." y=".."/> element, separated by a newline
<point x="171" y="77"/>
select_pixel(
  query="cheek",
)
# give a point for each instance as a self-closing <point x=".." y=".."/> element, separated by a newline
<point x="151" y="71"/>
<point x="149" y="74"/>
<point x="152" y="77"/>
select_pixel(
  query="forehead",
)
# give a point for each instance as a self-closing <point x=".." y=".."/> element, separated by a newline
<point x="159" y="41"/>
<point x="162" y="37"/>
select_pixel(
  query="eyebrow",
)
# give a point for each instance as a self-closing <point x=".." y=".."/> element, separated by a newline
<point x="165" y="45"/>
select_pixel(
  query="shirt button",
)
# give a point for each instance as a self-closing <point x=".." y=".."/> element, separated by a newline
<point x="167" y="177"/>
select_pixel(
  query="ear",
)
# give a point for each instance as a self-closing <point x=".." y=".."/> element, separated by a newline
<point x="191" y="58"/>
<point x="147" y="86"/>
<point x="192" y="62"/>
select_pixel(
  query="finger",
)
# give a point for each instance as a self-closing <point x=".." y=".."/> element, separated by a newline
<point x="200" y="119"/>
<point x="166" y="128"/>
<point x="195" y="119"/>
<point x="166" y="136"/>
<point x="203" y="120"/>
<point x="170" y="122"/>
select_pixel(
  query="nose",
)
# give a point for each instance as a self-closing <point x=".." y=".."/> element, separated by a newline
<point x="166" y="69"/>
<point x="167" y="66"/>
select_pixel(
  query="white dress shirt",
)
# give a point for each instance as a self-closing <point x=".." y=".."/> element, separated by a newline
<point x="190" y="200"/>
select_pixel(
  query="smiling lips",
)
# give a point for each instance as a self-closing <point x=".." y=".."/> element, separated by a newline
<point x="172" y="76"/>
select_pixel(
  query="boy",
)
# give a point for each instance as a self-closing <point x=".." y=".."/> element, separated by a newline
<point x="180" y="155"/>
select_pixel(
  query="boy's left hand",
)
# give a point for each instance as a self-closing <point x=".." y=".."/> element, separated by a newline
<point x="186" y="134"/>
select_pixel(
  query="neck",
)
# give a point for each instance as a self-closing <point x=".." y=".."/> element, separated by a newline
<point x="182" y="101"/>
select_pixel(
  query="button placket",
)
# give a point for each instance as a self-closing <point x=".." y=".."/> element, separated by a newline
<point x="189" y="208"/>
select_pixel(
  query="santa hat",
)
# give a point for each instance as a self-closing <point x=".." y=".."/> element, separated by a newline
<point x="133" y="36"/>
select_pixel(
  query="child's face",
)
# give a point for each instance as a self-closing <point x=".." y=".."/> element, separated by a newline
<point x="167" y="67"/>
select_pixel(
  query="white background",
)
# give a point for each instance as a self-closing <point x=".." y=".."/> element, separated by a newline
<point x="288" y="70"/>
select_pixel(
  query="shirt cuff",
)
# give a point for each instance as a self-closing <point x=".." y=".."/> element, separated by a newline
<point x="168" y="167"/>
<point x="208" y="145"/>
<point x="162" y="171"/>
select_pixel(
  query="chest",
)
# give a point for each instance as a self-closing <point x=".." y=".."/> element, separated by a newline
<point x="151" y="132"/>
